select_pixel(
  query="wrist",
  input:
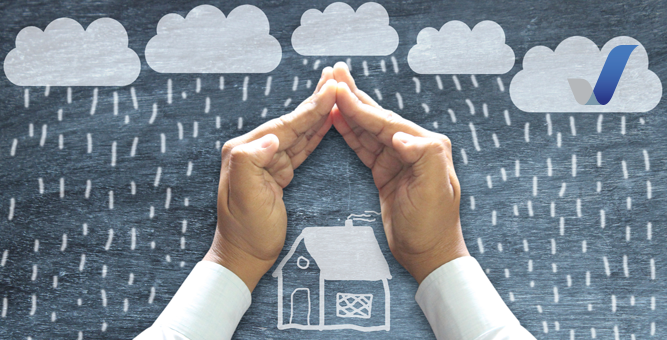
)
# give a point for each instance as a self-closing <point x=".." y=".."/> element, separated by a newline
<point x="247" y="267"/>
<point x="449" y="246"/>
<point x="426" y="263"/>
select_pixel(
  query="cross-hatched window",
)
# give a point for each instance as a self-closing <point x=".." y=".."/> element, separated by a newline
<point x="354" y="305"/>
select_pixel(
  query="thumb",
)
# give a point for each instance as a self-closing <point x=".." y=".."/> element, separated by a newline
<point x="257" y="153"/>
<point x="246" y="167"/>
<point x="427" y="156"/>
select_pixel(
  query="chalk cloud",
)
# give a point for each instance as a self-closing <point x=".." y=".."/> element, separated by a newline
<point x="206" y="41"/>
<point x="542" y="85"/>
<point x="340" y="31"/>
<point x="65" y="54"/>
<point x="456" y="49"/>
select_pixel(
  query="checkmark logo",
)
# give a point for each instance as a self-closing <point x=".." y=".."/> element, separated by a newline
<point x="607" y="81"/>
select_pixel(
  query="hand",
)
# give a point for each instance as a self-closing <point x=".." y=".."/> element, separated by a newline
<point x="414" y="173"/>
<point x="256" y="167"/>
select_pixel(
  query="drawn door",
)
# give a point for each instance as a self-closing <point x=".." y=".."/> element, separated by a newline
<point x="300" y="307"/>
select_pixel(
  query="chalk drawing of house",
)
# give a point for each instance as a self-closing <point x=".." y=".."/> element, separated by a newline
<point x="338" y="273"/>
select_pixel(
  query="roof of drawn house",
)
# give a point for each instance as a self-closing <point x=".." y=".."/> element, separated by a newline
<point x="342" y="253"/>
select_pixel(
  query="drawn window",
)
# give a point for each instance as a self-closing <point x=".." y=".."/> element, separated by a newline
<point x="354" y="305"/>
<point x="304" y="264"/>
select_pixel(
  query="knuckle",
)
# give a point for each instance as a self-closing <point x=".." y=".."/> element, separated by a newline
<point x="456" y="185"/>
<point x="285" y="123"/>
<point x="447" y="142"/>
<point x="438" y="145"/>
<point x="439" y="142"/>
<point x="290" y="153"/>
<point x="442" y="138"/>
<point x="280" y="122"/>
<point x="237" y="152"/>
<point x="227" y="147"/>
<point x="284" y="119"/>
<point x="390" y="116"/>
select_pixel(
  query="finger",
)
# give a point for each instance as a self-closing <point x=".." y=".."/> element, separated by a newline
<point x="290" y="127"/>
<point x="327" y="73"/>
<point x="427" y="156"/>
<point x="380" y="123"/>
<point x="309" y="141"/>
<point x="247" y="170"/>
<point x="301" y="144"/>
<point x="280" y="168"/>
<point x="312" y="142"/>
<point x="387" y="167"/>
<point x="367" y="157"/>
<point x="342" y="74"/>
<point x="350" y="123"/>
<point x="309" y="113"/>
<point x="367" y="140"/>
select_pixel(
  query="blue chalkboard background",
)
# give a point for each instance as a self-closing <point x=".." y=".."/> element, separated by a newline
<point x="615" y="287"/>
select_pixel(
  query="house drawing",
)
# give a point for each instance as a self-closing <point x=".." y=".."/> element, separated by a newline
<point x="338" y="274"/>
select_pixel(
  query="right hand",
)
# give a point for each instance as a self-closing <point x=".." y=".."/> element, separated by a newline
<point x="414" y="173"/>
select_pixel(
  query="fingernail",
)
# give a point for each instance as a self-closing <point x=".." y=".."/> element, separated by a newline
<point x="403" y="137"/>
<point x="266" y="141"/>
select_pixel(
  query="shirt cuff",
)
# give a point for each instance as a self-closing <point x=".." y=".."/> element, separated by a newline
<point x="208" y="305"/>
<point x="460" y="302"/>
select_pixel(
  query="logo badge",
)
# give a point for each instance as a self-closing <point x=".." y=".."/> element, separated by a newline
<point x="607" y="81"/>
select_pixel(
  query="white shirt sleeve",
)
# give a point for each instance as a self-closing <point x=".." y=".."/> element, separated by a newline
<point x="460" y="303"/>
<point x="209" y="305"/>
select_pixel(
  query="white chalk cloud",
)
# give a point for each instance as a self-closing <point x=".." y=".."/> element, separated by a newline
<point x="65" y="54"/>
<point x="340" y="31"/>
<point x="456" y="49"/>
<point x="542" y="85"/>
<point x="206" y="41"/>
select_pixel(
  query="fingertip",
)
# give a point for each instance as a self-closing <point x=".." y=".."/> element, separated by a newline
<point x="327" y="71"/>
<point x="401" y="142"/>
<point x="403" y="137"/>
<point x="327" y="74"/>
<point x="268" y="141"/>
<point x="341" y="64"/>
<point x="407" y="146"/>
<point x="344" y="91"/>
<point x="258" y="152"/>
<point x="346" y="100"/>
<point x="335" y="113"/>
<point x="329" y="84"/>
<point x="343" y="87"/>
<point x="341" y="73"/>
<point x="274" y="139"/>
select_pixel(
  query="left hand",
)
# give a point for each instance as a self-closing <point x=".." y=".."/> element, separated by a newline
<point x="252" y="220"/>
